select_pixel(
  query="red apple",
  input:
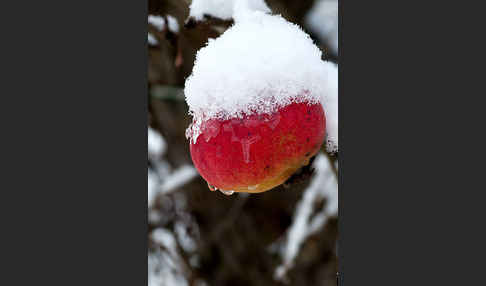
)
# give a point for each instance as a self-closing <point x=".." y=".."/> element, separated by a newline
<point x="258" y="152"/>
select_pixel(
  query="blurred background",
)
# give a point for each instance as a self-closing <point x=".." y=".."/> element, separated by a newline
<point x="286" y="236"/>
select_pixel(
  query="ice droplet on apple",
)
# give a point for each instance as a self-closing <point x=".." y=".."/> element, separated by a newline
<point x="212" y="188"/>
<point x="228" y="193"/>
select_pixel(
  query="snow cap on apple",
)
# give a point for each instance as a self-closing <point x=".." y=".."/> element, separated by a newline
<point x="261" y="97"/>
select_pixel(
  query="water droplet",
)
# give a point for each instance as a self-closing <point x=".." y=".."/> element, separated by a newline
<point x="212" y="188"/>
<point x="228" y="193"/>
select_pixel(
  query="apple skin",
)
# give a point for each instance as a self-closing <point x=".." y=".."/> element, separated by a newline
<point x="258" y="152"/>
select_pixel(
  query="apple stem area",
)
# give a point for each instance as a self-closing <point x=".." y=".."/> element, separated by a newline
<point x="305" y="173"/>
<point x="301" y="175"/>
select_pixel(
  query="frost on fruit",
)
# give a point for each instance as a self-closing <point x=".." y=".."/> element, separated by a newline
<point x="260" y="64"/>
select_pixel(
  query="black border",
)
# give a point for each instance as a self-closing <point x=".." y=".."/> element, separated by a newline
<point x="76" y="143"/>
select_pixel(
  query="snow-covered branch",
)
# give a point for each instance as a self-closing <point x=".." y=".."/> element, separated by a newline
<point x="323" y="186"/>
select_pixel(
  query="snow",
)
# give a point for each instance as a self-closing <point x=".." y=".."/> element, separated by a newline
<point x="165" y="267"/>
<point x="166" y="264"/>
<point x="154" y="216"/>
<point x="172" y="23"/>
<point x="222" y="9"/>
<point x="165" y="238"/>
<point x="186" y="241"/>
<point x="323" y="185"/>
<point x="260" y="64"/>
<point x="156" y="143"/>
<point x="153" y="187"/>
<point x="170" y="182"/>
<point x="330" y="104"/>
<point x="178" y="178"/>
<point x="322" y="19"/>
<point x="159" y="273"/>
<point x="160" y="178"/>
<point x="152" y="40"/>
<point x="157" y="21"/>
